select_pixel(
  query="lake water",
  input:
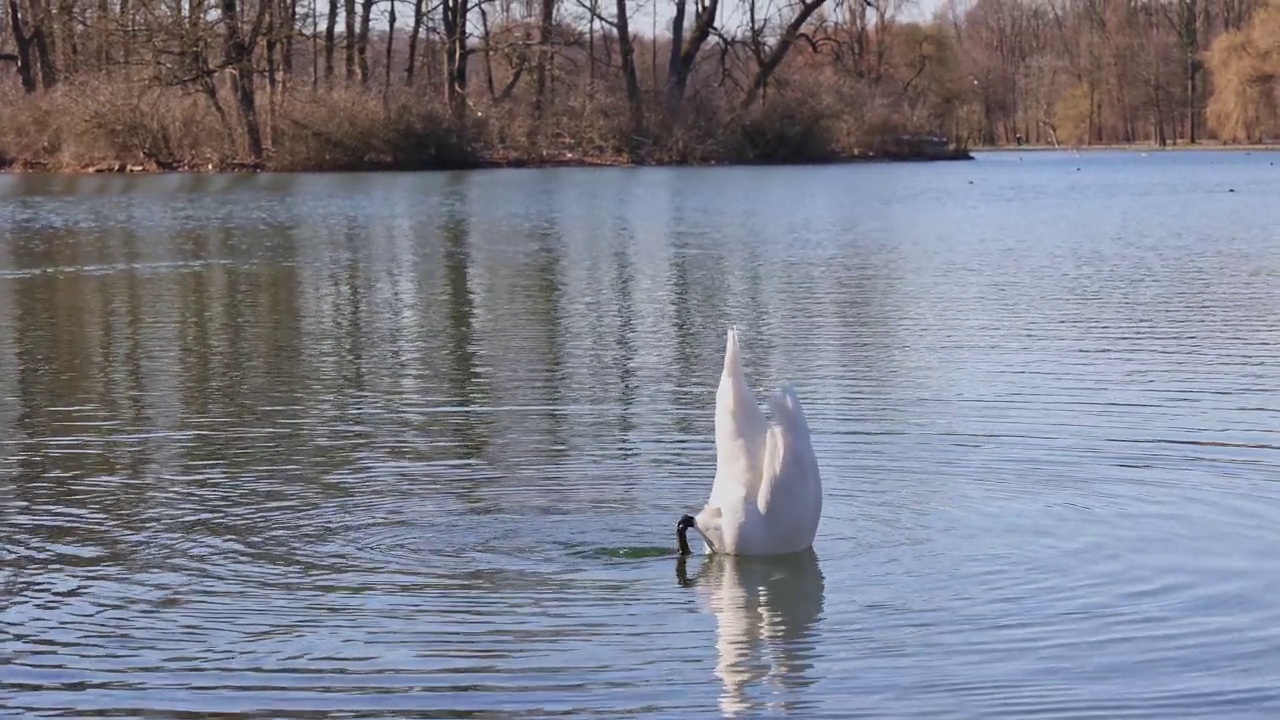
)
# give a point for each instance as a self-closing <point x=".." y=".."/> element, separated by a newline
<point x="414" y="445"/>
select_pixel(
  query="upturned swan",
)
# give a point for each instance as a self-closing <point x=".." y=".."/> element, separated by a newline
<point x="766" y="498"/>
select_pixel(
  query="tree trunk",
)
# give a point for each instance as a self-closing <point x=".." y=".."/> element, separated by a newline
<point x="23" y="43"/>
<point x="44" y="53"/>
<point x="419" y="14"/>
<point x="39" y="46"/>
<point x="545" y="28"/>
<point x="682" y="59"/>
<point x="290" y="30"/>
<point x="273" y="47"/>
<point x="591" y="46"/>
<point x="627" y="52"/>
<point x="488" y="53"/>
<point x="349" y="39"/>
<point x="362" y="40"/>
<point x="1189" y="35"/>
<point x="238" y="56"/>
<point x="455" y="55"/>
<point x="315" y="48"/>
<point x="673" y="64"/>
<point x="391" y="43"/>
<point x="330" y="38"/>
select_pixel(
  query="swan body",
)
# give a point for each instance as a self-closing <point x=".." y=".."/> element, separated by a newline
<point x="766" y="498"/>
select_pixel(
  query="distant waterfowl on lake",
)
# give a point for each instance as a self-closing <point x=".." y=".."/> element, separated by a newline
<point x="766" y="498"/>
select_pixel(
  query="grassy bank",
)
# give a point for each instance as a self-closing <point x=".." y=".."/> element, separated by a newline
<point x="105" y="127"/>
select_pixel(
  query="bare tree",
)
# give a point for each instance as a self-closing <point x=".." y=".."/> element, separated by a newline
<point x="238" y="58"/>
<point x="771" y="61"/>
<point x="684" y="52"/>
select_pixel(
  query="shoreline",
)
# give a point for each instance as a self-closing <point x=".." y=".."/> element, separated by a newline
<point x="1134" y="147"/>
<point x="499" y="161"/>
<point x="491" y="162"/>
<point x="27" y="166"/>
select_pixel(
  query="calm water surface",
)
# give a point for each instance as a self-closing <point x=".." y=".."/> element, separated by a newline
<point x="414" y="445"/>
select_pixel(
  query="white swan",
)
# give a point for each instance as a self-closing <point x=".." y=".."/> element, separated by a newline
<point x="767" y="495"/>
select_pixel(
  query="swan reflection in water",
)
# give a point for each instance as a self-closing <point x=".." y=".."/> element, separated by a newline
<point x="767" y="610"/>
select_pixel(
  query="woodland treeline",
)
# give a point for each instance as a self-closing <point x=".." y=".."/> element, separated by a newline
<point x="431" y="83"/>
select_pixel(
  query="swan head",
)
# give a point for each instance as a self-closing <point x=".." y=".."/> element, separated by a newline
<point x="682" y="529"/>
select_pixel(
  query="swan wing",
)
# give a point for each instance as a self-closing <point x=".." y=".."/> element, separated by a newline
<point x="790" y="486"/>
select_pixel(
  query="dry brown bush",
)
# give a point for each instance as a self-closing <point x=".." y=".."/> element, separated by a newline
<point x="1245" y="64"/>
<point x="352" y="129"/>
<point x="28" y="131"/>
<point x="572" y="127"/>
<point x="94" y="121"/>
<point x="100" y="123"/>
<point x="784" y="130"/>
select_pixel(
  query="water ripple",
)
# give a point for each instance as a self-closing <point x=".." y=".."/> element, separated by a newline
<point x="414" y="446"/>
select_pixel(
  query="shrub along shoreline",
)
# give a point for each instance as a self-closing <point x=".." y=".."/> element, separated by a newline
<point x="108" y="126"/>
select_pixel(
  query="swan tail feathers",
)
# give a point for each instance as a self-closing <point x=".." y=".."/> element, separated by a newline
<point x="740" y="427"/>
<point x="735" y="403"/>
<point x="732" y="353"/>
<point x="734" y="393"/>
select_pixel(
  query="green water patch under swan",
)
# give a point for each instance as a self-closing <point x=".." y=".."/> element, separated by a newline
<point x="627" y="552"/>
